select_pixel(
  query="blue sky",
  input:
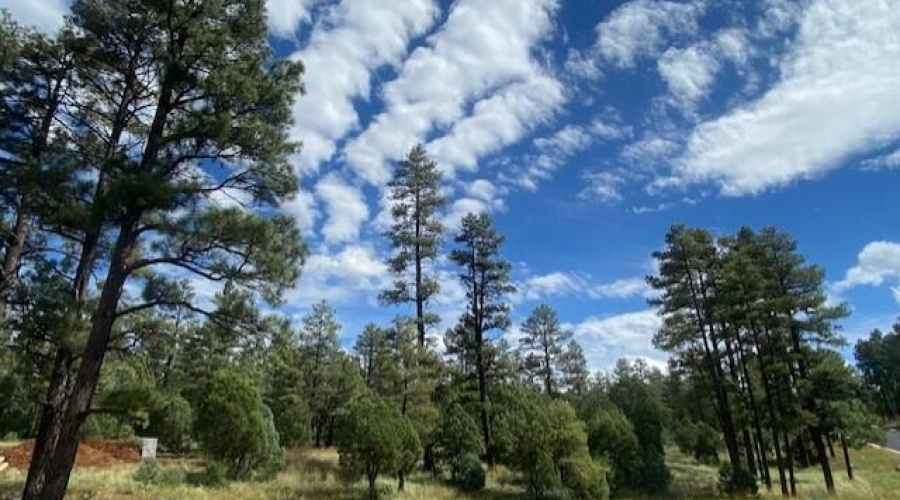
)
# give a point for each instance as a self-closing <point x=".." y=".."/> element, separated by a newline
<point x="587" y="128"/>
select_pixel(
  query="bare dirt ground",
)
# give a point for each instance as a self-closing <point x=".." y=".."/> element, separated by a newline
<point x="91" y="453"/>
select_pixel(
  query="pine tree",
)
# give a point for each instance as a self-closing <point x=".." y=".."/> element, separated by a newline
<point x="37" y="79"/>
<point x="485" y="276"/>
<point x="796" y="288"/>
<point x="150" y="195"/>
<point x="573" y="367"/>
<point x="415" y="235"/>
<point x="284" y="394"/>
<point x="319" y="343"/>
<point x="374" y="353"/>
<point x="691" y="331"/>
<point x="878" y="359"/>
<point x="544" y="339"/>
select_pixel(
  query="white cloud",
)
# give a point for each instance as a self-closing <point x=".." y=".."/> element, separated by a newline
<point x="603" y="187"/>
<point x="628" y="335"/>
<point x="779" y="16"/>
<point x="641" y="28"/>
<point x="483" y="46"/>
<point x="561" y="284"/>
<point x="877" y="262"/>
<point x="480" y="196"/>
<point x="346" y="46"/>
<point x="548" y="285"/>
<point x="347" y="209"/>
<point x="581" y="66"/>
<point x="889" y="161"/>
<point x="553" y="151"/>
<point x="497" y="121"/>
<point x="732" y="45"/>
<point x="837" y="96"/>
<point x="341" y="276"/>
<point x="303" y="207"/>
<point x="45" y="15"/>
<point x="689" y="72"/>
<point x="286" y="16"/>
<point x="650" y="151"/>
<point x="622" y="289"/>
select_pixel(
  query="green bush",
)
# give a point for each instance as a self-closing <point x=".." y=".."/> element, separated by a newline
<point x="536" y="435"/>
<point x="644" y="409"/>
<point x="611" y="437"/>
<point x="458" y="434"/>
<point x="147" y="472"/>
<point x="730" y="483"/>
<point x="171" y="420"/>
<point x="215" y="474"/>
<point x="236" y="428"/>
<point x="292" y="420"/>
<point x="698" y="440"/>
<point x="150" y="472"/>
<point x="584" y="478"/>
<point x="369" y="442"/>
<point x="467" y="473"/>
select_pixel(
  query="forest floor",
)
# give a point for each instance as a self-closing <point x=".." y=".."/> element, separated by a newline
<point x="312" y="475"/>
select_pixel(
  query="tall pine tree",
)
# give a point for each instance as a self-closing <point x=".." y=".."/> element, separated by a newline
<point x="415" y="235"/>
<point x="485" y="276"/>
<point x="544" y="340"/>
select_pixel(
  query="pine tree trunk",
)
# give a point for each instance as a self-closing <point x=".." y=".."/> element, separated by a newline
<point x="714" y="367"/>
<point x="830" y="444"/>
<point x="814" y="430"/>
<point x="373" y="490"/>
<point x="748" y="450"/>
<point x="804" y="454"/>
<point x="779" y="459"/>
<point x="847" y="461"/>
<point x="15" y="245"/>
<point x="754" y="413"/>
<point x="428" y="458"/>
<point x="789" y="449"/>
<point x="770" y="404"/>
<point x="485" y="419"/>
<point x="420" y="300"/>
<point x="819" y="444"/>
<point x="50" y="426"/>
<point x="58" y="466"/>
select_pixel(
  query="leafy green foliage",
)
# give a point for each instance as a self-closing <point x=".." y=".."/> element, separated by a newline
<point x="415" y="235"/>
<point x="171" y="421"/>
<point x="235" y="427"/>
<point x="878" y="359"/>
<point x="374" y="439"/>
<point x="731" y="483"/>
<point x="543" y="341"/>
<point x="466" y="472"/>
<point x="150" y="472"/>
<point x="611" y="438"/>
<point x="697" y="439"/>
<point x="537" y="436"/>
<point x="458" y="434"/>
<point x="584" y="478"/>
<point x="643" y="408"/>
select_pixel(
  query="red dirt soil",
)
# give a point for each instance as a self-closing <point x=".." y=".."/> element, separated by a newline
<point x="93" y="453"/>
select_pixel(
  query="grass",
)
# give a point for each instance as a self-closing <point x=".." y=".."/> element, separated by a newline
<point x="312" y="475"/>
